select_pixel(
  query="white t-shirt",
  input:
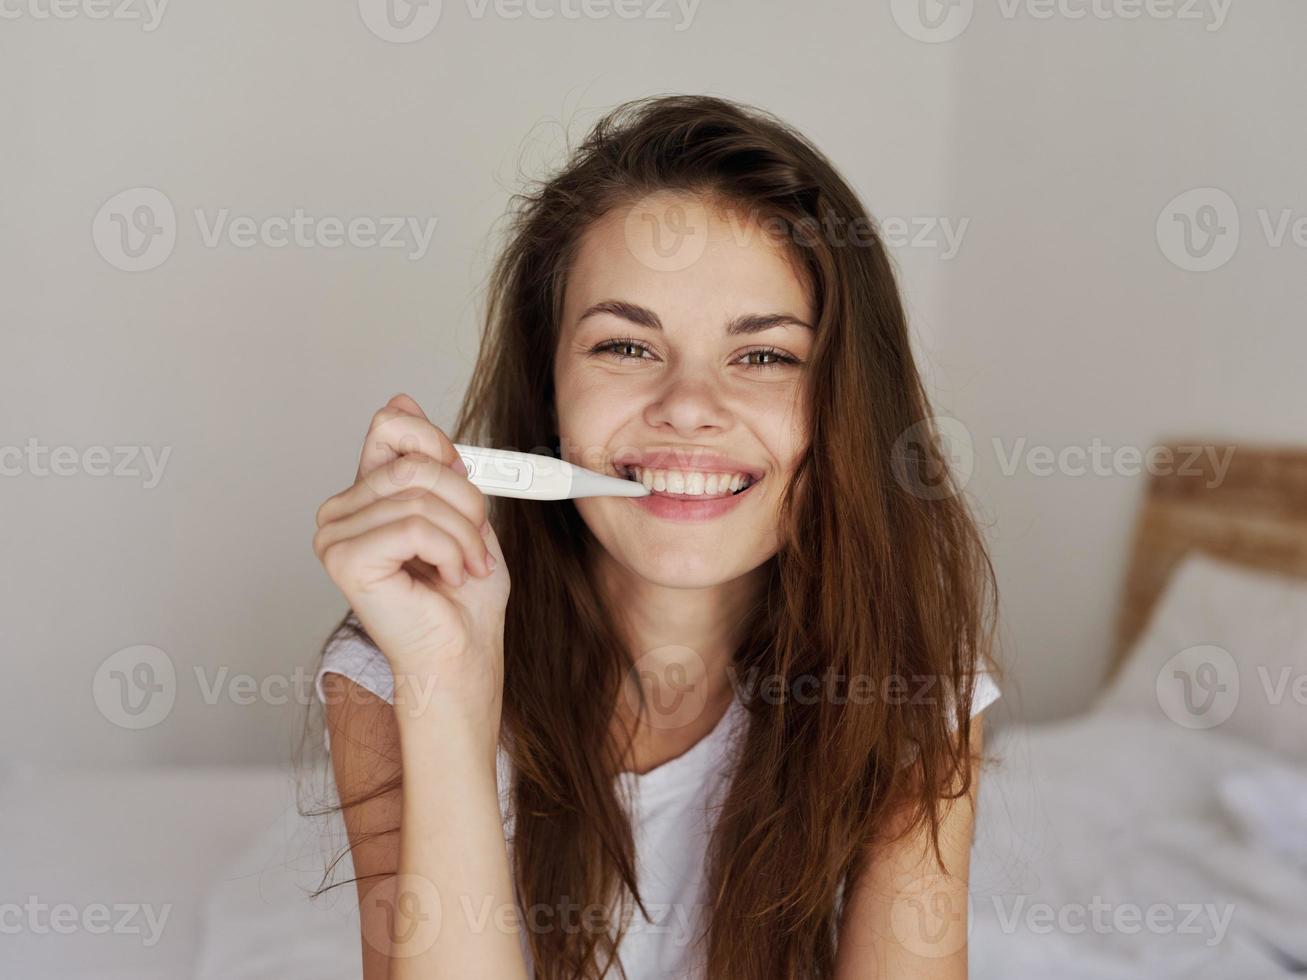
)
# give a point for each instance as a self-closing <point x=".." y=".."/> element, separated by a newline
<point x="670" y="813"/>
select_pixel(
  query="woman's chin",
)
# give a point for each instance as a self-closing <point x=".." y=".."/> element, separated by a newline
<point x="687" y="564"/>
<point x="676" y="554"/>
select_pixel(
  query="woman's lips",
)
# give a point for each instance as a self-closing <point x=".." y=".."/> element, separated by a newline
<point x="690" y="507"/>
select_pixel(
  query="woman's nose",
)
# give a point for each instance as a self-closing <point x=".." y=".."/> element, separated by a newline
<point x="689" y="401"/>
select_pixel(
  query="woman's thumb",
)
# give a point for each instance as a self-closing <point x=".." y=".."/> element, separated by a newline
<point x="406" y="403"/>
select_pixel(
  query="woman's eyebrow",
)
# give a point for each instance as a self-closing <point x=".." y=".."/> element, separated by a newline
<point x="745" y="324"/>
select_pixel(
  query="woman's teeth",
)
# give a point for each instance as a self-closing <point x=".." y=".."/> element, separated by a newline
<point x="689" y="483"/>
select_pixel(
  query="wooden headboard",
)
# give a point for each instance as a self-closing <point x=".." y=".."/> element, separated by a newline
<point x="1242" y="504"/>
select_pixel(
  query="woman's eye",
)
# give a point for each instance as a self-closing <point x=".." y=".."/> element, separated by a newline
<point x="626" y="349"/>
<point x="778" y="358"/>
<point x="620" y="349"/>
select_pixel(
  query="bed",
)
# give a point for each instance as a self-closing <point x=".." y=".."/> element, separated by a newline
<point x="1163" y="833"/>
<point x="1152" y="837"/>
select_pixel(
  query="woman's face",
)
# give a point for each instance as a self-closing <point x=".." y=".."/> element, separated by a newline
<point x="683" y="349"/>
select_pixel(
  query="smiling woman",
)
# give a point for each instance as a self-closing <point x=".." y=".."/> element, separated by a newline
<point x="693" y="700"/>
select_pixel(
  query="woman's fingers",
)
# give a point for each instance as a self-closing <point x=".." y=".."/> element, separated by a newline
<point x="361" y="563"/>
<point x="411" y="476"/>
<point x="407" y="403"/>
<point x="388" y="510"/>
<point x="401" y="428"/>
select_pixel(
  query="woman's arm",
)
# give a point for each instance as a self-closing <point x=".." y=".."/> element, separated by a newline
<point x="441" y="903"/>
<point x="905" y="916"/>
<point x="410" y="546"/>
<point x="452" y="854"/>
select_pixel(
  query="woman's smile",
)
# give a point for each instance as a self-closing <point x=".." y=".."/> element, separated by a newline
<point x="688" y="484"/>
<point x="691" y="506"/>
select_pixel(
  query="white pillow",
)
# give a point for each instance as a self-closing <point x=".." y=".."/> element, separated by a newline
<point x="1225" y="646"/>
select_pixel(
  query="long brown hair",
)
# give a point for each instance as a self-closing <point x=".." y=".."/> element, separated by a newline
<point x="881" y="574"/>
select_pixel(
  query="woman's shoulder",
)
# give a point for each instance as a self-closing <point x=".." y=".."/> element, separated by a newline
<point x="984" y="692"/>
<point x="351" y="653"/>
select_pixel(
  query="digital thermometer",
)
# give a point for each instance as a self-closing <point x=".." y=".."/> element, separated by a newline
<point x="506" y="473"/>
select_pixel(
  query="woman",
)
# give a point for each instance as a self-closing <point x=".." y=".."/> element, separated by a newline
<point x="725" y="730"/>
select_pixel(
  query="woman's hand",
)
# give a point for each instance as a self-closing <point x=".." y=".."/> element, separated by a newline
<point x="409" y="546"/>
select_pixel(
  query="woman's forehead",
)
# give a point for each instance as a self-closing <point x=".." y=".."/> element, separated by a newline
<point x="736" y="267"/>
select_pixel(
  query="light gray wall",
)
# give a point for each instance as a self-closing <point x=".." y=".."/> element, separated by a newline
<point x="257" y="369"/>
<point x="1060" y="320"/>
<point x="1065" y="320"/>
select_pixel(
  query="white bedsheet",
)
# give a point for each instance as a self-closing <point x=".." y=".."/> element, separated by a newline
<point x="1111" y="808"/>
<point x="259" y="922"/>
<point x="143" y="844"/>
<point x="1104" y="851"/>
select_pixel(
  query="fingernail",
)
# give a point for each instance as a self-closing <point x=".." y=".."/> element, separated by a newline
<point x="485" y="529"/>
<point x="459" y="465"/>
<point x="490" y="562"/>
